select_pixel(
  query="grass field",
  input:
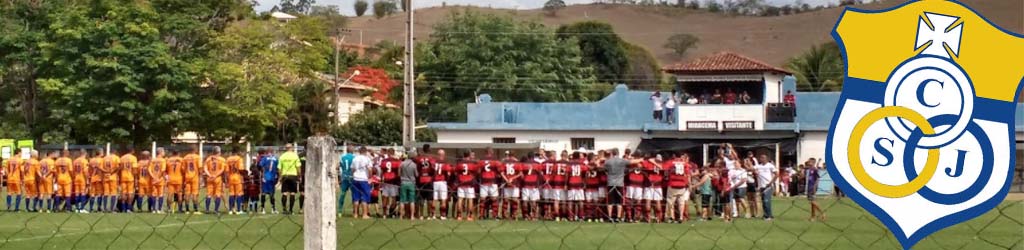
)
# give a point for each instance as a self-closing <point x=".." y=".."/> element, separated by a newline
<point x="848" y="227"/>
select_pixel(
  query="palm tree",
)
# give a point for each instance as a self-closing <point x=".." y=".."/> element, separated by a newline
<point x="819" y="69"/>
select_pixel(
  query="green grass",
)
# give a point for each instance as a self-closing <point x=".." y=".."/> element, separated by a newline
<point x="848" y="227"/>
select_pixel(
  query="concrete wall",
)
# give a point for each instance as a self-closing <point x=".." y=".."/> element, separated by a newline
<point x="349" y="103"/>
<point x="550" y="140"/>
<point x="773" y="87"/>
<point x="812" y="144"/>
<point x="721" y="112"/>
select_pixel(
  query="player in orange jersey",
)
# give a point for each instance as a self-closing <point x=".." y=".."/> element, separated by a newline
<point x="30" y="175"/>
<point x="80" y="177"/>
<point x="175" y="170"/>
<point x="109" y="170"/>
<point x="47" y="171"/>
<point x="143" y="182"/>
<point x="235" y="169"/>
<point x="157" y="173"/>
<point x="63" y="202"/>
<point x="96" y="181"/>
<point x="12" y="170"/>
<point x="214" y="172"/>
<point x="126" y="173"/>
<point x="191" y="167"/>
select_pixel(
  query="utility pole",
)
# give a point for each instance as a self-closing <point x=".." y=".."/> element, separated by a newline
<point x="409" y="108"/>
<point x="337" y="115"/>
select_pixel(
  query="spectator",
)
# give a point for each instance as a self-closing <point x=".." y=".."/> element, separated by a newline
<point x="730" y="96"/>
<point x="407" y="194"/>
<point x="361" y="171"/>
<point x="657" y="103"/>
<point x="789" y="98"/>
<point x="705" y="98"/>
<point x="717" y="97"/>
<point x="810" y="173"/>
<point x="670" y="107"/>
<point x="691" y="99"/>
<point x="766" y="176"/>
<point x="745" y="98"/>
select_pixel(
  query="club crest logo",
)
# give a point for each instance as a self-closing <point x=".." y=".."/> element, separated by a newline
<point x="923" y="136"/>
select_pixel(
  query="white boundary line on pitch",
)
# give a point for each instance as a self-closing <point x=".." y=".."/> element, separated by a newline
<point x="129" y="228"/>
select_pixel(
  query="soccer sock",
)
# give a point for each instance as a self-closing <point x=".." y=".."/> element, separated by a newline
<point x="113" y="201"/>
<point x="217" y="205"/>
<point x="8" y="202"/>
<point x="291" y="203"/>
<point x="207" y="204"/>
<point x="241" y="203"/>
<point x="231" y="203"/>
<point x="17" y="203"/>
<point x="160" y="204"/>
<point x="273" y="202"/>
<point x="150" y="203"/>
<point x="138" y="203"/>
<point x="302" y="198"/>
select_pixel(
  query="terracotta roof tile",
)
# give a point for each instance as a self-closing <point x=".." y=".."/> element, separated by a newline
<point x="723" y="62"/>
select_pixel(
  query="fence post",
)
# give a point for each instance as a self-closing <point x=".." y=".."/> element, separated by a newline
<point x="320" y="221"/>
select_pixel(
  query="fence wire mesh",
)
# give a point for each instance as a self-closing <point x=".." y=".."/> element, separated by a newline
<point x="846" y="226"/>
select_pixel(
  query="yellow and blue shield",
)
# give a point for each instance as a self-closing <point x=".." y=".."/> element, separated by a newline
<point x="923" y="134"/>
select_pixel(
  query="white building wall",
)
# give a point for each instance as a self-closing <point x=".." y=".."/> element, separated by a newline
<point x="550" y="140"/>
<point x="720" y="113"/>
<point x="773" y="87"/>
<point x="812" y="145"/>
<point x="349" y="103"/>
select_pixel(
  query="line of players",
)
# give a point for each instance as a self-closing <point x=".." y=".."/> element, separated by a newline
<point x="58" y="181"/>
<point x="537" y="186"/>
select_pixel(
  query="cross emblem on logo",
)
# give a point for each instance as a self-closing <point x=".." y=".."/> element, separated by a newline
<point x="937" y="34"/>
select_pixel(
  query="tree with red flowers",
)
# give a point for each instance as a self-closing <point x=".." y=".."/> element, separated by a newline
<point x="375" y="78"/>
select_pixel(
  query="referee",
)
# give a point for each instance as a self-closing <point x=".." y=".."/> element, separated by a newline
<point x="290" y="170"/>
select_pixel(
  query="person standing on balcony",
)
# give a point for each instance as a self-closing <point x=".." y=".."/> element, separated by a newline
<point x="670" y="107"/>
<point x="657" y="103"/>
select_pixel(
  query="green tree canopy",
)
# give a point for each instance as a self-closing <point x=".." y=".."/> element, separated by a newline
<point x="360" y="7"/>
<point x="601" y="48"/>
<point x="380" y="127"/>
<point x="819" y="69"/>
<point x="470" y="53"/>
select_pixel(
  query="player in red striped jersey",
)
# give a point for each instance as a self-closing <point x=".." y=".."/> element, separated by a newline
<point x="548" y="191"/>
<point x="576" y="171"/>
<point x="679" y="170"/>
<point x="425" y="182"/>
<point x="558" y="185"/>
<point x="389" y="181"/>
<point x="654" y="192"/>
<point x="532" y="178"/>
<point x="490" y="169"/>
<point x="593" y="183"/>
<point x="511" y="175"/>
<point x="466" y="170"/>
<point x="634" y="188"/>
<point x="442" y="170"/>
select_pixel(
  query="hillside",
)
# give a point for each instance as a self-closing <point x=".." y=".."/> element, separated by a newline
<point x="771" y="39"/>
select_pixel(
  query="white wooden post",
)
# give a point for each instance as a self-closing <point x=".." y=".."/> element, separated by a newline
<point x="320" y="222"/>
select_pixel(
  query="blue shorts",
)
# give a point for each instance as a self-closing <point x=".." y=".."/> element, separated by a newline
<point x="361" y="192"/>
<point x="268" y="187"/>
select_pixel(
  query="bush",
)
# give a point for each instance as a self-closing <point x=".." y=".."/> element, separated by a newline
<point x="680" y="43"/>
<point x="384" y="8"/>
<point x="552" y="6"/>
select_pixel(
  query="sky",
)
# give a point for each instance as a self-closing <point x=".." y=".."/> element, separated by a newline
<point x="346" y="5"/>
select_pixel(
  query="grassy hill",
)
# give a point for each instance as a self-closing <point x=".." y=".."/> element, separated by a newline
<point x="771" y="39"/>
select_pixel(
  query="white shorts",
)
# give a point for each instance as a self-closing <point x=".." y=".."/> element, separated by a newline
<point x="635" y="193"/>
<point x="389" y="190"/>
<point x="558" y="194"/>
<point x="467" y="193"/>
<point x="575" y="195"/>
<point x="602" y="192"/>
<point x="440" y="190"/>
<point x="653" y="194"/>
<point x="547" y="193"/>
<point x="678" y="195"/>
<point x="592" y="195"/>
<point x="489" y="191"/>
<point x="531" y="194"/>
<point x="510" y="192"/>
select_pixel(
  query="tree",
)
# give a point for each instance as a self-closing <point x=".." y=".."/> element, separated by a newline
<point x="379" y="126"/>
<point x="246" y="93"/>
<point x="713" y="6"/>
<point x="360" y="7"/>
<point x="288" y="6"/>
<point x="643" y="69"/>
<point x="553" y="6"/>
<point x="601" y="48"/>
<point x="680" y="43"/>
<point x="331" y="16"/>
<point x="383" y="8"/>
<point x="111" y="77"/>
<point x="469" y="54"/>
<point x="376" y="78"/>
<point x="304" y="6"/>
<point x="819" y="69"/>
